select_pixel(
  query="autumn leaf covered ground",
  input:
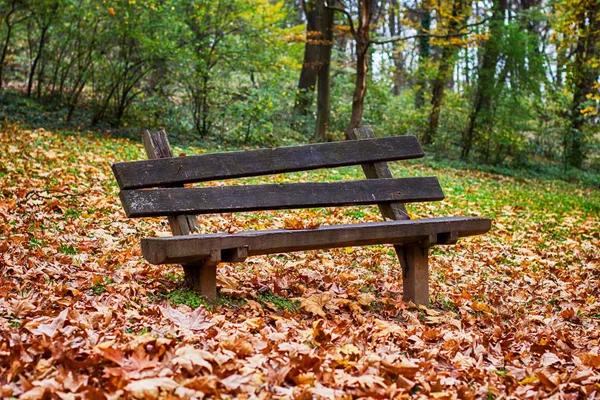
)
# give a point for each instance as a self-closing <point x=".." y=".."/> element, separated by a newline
<point x="514" y="313"/>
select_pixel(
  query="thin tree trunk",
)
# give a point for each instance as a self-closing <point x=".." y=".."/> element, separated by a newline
<point x="584" y="76"/>
<point x="324" y="75"/>
<point x="486" y="82"/>
<point x="9" y="26"/>
<point x="444" y="71"/>
<point x="362" y="47"/>
<point x="308" y="74"/>
<point x="424" y="54"/>
<point x="397" y="56"/>
<point x="37" y="58"/>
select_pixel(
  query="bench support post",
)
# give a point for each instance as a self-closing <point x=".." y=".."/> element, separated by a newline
<point x="415" y="274"/>
<point x="200" y="276"/>
<point x="413" y="258"/>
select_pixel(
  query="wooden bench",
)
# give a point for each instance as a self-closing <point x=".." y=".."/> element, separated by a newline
<point x="199" y="254"/>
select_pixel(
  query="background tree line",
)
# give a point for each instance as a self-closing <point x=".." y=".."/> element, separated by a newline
<point x="512" y="82"/>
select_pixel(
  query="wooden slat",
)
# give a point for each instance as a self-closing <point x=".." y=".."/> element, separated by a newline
<point x="157" y="146"/>
<point x="167" y="172"/>
<point x="171" y="250"/>
<point x="379" y="170"/>
<point x="202" y="274"/>
<point x="172" y="201"/>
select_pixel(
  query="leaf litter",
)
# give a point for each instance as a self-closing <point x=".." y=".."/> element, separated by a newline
<point x="514" y="313"/>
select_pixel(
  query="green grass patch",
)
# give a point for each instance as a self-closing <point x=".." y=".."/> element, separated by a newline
<point x="69" y="250"/>
<point x="279" y="302"/>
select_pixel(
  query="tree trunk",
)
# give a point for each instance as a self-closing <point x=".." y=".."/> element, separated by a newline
<point x="37" y="58"/>
<point x="362" y="47"/>
<point x="9" y="26"/>
<point x="486" y="82"/>
<point x="424" y="54"/>
<point x="397" y="56"/>
<point x="444" y="71"/>
<point x="324" y="75"/>
<point x="584" y="75"/>
<point x="308" y="74"/>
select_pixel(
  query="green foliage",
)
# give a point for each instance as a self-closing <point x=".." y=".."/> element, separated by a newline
<point x="224" y="73"/>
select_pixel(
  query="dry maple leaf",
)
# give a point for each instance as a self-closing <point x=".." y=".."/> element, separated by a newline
<point x="297" y="223"/>
<point x="365" y="299"/>
<point x="197" y="320"/>
<point x="51" y="328"/>
<point x="314" y="303"/>
<point x="150" y="388"/>
<point x="21" y="306"/>
<point x="205" y="384"/>
<point x="406" y="368"/>
<point x="590" y="359"/>
<point x="192" y="360"/>
<point x="233" y="382"/>
<point x="549" y="359"/>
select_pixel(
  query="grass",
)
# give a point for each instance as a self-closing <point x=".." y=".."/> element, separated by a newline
<point x="188" y="297"/>
<point x="69" y="250"/>
<point x="281" y="303"/>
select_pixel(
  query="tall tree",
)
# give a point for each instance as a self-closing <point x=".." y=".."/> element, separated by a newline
<point x="324" y="74"/>
<point x="9" y="19"/>
<point x="366" y="10"/>
<point x="424" y="53"/>
<point x="395" y="26"/>
<point x="486" y="78"/>
<point x="583" y="75"/>
<point x="310" y="65"/>
<point x="456" y="19"/>
<point x="44" y="15"/>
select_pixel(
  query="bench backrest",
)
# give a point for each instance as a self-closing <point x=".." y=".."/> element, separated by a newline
<point x="167" y="175"/>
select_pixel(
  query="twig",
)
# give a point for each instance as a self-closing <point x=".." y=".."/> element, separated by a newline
<point x="347" y="14"/>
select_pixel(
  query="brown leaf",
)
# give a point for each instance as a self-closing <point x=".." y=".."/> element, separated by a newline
<point x="314" y="304"/>
<point x="590" y="359"/>
<point x="365" y="299"/>
<point x="150" y="388"/>
<point x="51" y="328"/>
<point x="233" y="382"/>
<point x="549" y="359"/>
<point x="197" y="320"/>
<point x="192" y="360"/>
<point x="405" y="368"/>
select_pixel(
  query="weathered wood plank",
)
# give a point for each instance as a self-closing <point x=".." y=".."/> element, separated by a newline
<point x="157" y="146"/>
<point x="414" y="260"/>
<point x="379" y="170"/>
<point x="167" y="172"/>
<point x="201" y="275"/>
<point x="172" y="201"/>
<point x="415" y="273"/>
<point x="169" y="250"/>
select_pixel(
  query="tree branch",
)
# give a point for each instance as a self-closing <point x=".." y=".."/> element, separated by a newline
<point x="430" y="35"/>
<point x="347" y="14"/>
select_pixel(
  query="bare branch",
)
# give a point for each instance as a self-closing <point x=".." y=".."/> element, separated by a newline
<point x="430" y="35"/>
<point x="346" y="13"/>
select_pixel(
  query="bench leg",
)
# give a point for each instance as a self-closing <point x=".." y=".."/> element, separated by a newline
<point x="415" y="273"/>
<point x="202" y="276"/>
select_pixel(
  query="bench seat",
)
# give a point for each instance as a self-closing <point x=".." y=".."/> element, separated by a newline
<point x="192" y="248"/>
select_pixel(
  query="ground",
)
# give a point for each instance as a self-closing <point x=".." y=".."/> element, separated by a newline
<point x="514" y="313"/>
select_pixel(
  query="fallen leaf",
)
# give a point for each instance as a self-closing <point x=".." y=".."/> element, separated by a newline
<point x="197" y="320"/>
<point x="314" y="304"/>
<point x="150" y="388"/>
